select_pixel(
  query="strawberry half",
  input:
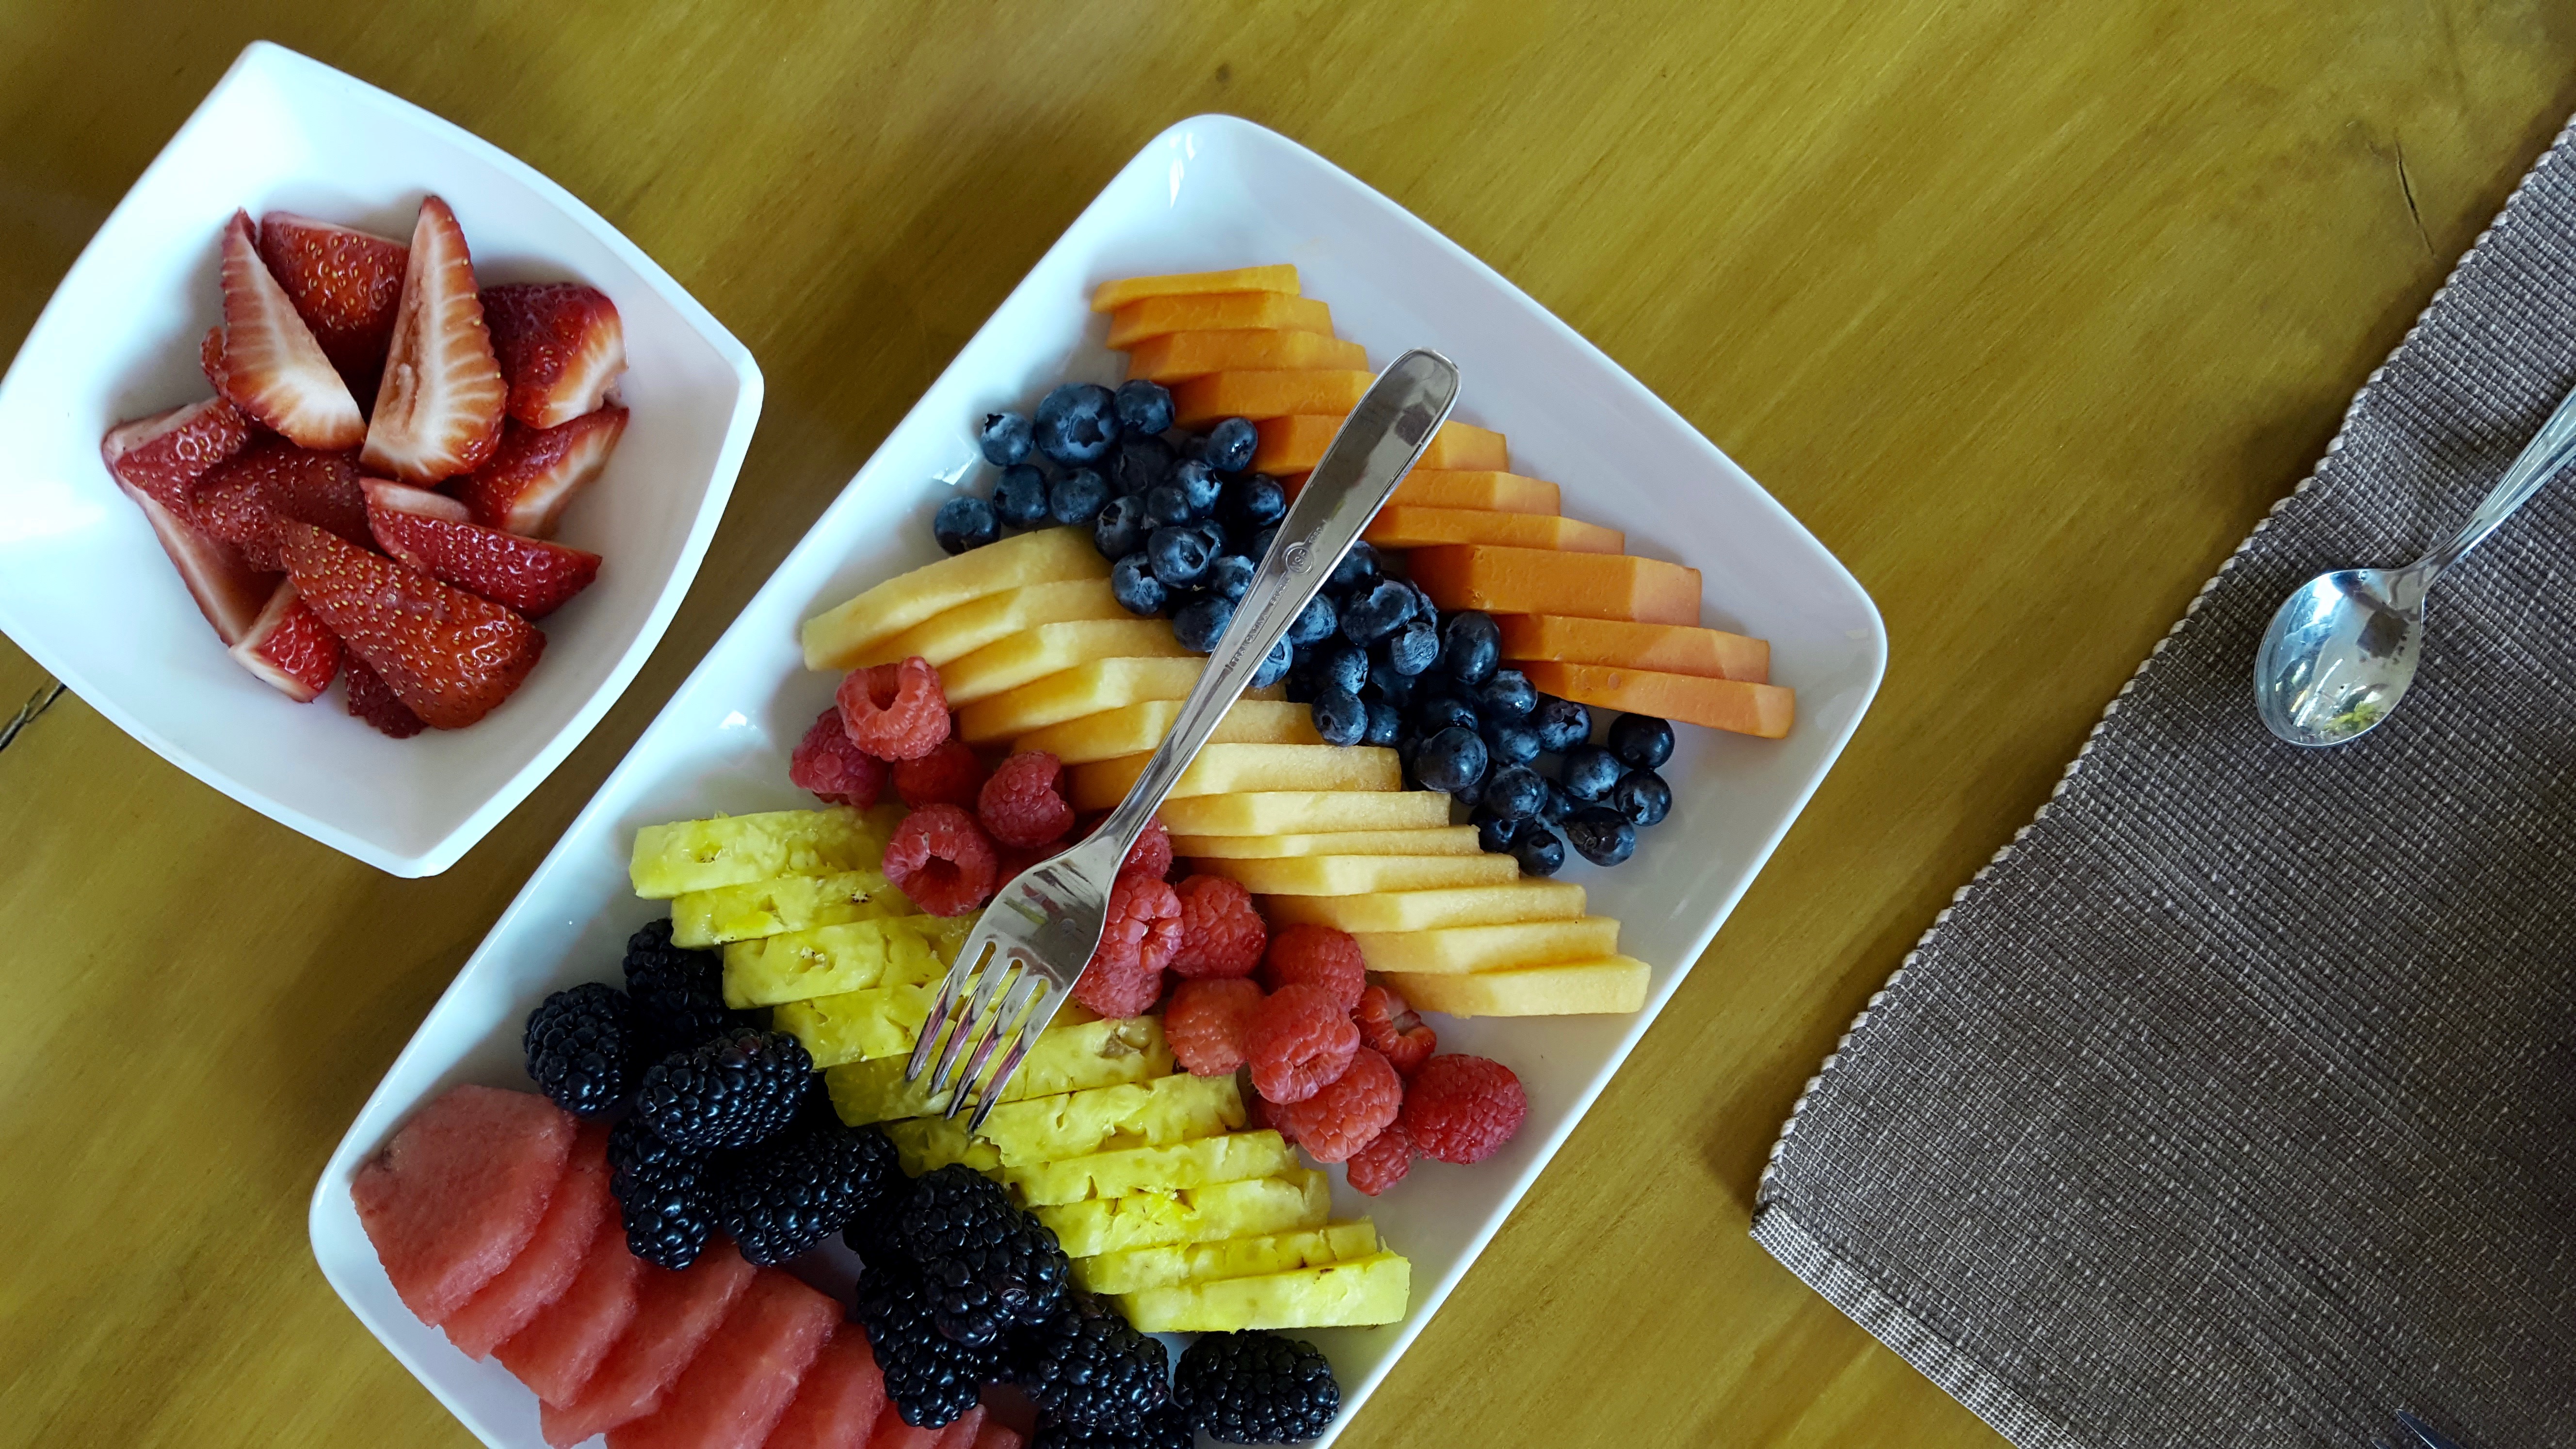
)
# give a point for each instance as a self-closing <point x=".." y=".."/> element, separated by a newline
<point x="438" y="411"/>
<point x="404" y="498"/>
<point x="228" y="591"/>
<point x="530" y="481"/>
<point x="370" y="699"/>
<point x="450" y="657"/>
<point x="273" y="369"/>
<point x="529" y="575"/>
<point x="560" y="345"/>
<point x="290" y="647"/>
<point x="241" y="499"/>
<point x="165" y="454"/>
<point x="345" y="284"/>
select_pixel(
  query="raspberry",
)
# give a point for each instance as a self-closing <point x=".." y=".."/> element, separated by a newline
<point x="1299" y="1041"/>
<point x="1462" y="1108"/>
<point x="1259" y="1115"/>
<point x="1023" y="804"/>
<point x="1152" y="852"/>
<point x="895" y="711"/>
<point x="829" y="764"/>
<point x="1317" y="956"/>
<point x="940" y="858"/>
<point x="1205" y="1024"/>
<point x="1383" y="1163"/>
<point x="1221" y="934"/>
<point x="1389" y="1028"/>
<point x="948" y="775"/>
<point x="1125" y="975"/>
<point x="1349" y="1112"/>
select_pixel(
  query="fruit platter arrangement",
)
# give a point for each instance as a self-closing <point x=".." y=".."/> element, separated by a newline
<point x="716" y="1212"/>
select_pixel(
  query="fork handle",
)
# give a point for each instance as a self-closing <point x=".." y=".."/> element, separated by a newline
<point x="1377" y="445"/>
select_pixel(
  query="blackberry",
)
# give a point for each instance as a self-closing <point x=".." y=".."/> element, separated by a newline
<point x="738" y="1089"/>
<point x="871" y="1232"/>
<point x="1256" y="1388"/>
<point x="580" y="1046"/>
<point x="661" y="1193"/>
<point x="985" y="1264"/>
<point x="931" y="1377"/>
<point x="1165" y="1428"/>
<point x="678" y="993"/>
<point x="1084" y="1364"/>
<point x="788" y="1194"/>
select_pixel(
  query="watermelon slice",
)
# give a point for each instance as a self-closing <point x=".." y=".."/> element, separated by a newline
<point x="674" y="1314"/>
<point x="893" y="1433"/>
<point x="836" y="1406"/>
<point x="962" y="1430"/>
<point x="459" y="1191"/>
<point x="552" y="1259"/>
<point x="997" y="1435"/>
<point x="732" y="1393"/>
<point x="557" y="1354"/>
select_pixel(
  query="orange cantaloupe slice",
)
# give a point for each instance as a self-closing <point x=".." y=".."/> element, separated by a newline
<point x="1483" y="488"/>
<point x="1765" y="710"/>
<point x="1405" y="525"/>
<point x="1664" y="648"/>
<point x="1272" y="393"/>
<point x="1111" y="296"/>
<point x="1177" y="357"/>
<point x="1216" y="312"/>
<point x="1297" y="444"/>
<point x="1503" y="580"/>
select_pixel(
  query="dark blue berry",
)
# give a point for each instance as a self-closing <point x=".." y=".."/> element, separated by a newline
<point x="1507" y="695"/>
<point x="1139" y="463"/>
<point x="1471" y="645"/>
<point x="1201" y="622"/>
<point x="1385" y="723"/>
<point x="1076" y="423"/>
<point x="1253" y="501"/>
<point x="963" y="523"/>
<point x="1340" y="666"/>
<point x="1166" y="504"/>
<point x="1380" y="611"/>
<point x="1121" y="528"/>
<point x="1200" y="486"/>
<point x="1472" y="795"/>
<point x="1230" y="445"/>
<point x="1339" y="716"/>
<point x="1301" y="686"/>
<point x="1641" y="741"/>
<point x="1357" y="570"/>
<point x="1451" y="760"/>
<point x="1601" y="835"/>
<point x="1020" y="497"/>
<point x="1511" y="743"/>
<point x="1259" y="547"/>
<point x="1559" y="804"/>
<point x="1589" y="772"/>
<point x="1178" y="556"/>
<point x="1434" y="713"/>
<point x="1493" y="832"/>
<point x="1413" y="648"/>
<point x="1561" y="724"/>
<point x="1077" y="497"/>
<point x="1515" y="792"/>
<point x="1135" y="587"/>
<point x="1005" y="439"/>
<point x="1643" y="797"/>
<point x="1316" y="621"/>
<point x="1274" y="667"/>
<point x="1394" y="688"/>
<point x="1144" y="406"/>
<point x="1538" y="850"/>
<point x="1229" y="576"/>
<point x="1219" y="541"/>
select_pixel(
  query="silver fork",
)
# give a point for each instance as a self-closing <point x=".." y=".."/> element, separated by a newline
<point x="1040" y="931"/>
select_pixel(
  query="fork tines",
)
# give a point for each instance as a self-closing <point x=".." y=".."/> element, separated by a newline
<point x="986" y="968"/>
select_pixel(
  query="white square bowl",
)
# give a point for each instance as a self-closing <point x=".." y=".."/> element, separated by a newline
<point x="86" y="590"/>
<point x="1211" y="192"/>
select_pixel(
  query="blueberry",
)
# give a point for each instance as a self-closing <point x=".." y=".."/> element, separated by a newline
<point x="1515" y="792"/>
<point x="1493" y="832"/>
<point x="1253" y="501"/>
<point x="1230" y="445"/>
<point x="1315" y="621"/>
<point x="1219" y="541"/>
<point x="1451" y="760"/>
<point x="1507" y="695"/>
<point x="1020" y="497"/>
<point x="1357" y="570"/>
<point x="1434" y="713"/>
<point x="1135" y="587"/>
<point x="1561" y="724"/>
<point x="1076" y="423"/>
<point x="1538" y="850"/>
<point x="1200" y="486"/>
<point x="1413" y="648"/>
<point x="1472" y="643"/>
<point x="1201" y="622"/>
<point x="1601" y="835"/>
<point x="1229" y="576"/>
<point x="1139" y="463"/>
<point x="1385" y="723"/>
<point x="1394" y="688"/>
<point x="1166" y="504"/>
<point x="1510" y="743"/>
<point x="1643" y="797"/>
<point x="1188" y="446"/>
<point x="1339" y="716"/>
<point x="1274" y="667"/>
<point x="963" y="523"/>
<point x="1380" y="611"/>
<point x="1559" y="805"/>
<point x="1121" y="528"/>
<point x="1077" y="497"/>
<point x="1589" y="772"/>
<point x="1301" y="686"/>
<point x="1143" y="406"/>
<point x="1340" y="666"/>
<point x="1179" y="556"/>
<point x="1259" y="547"/>
<point x="1004" y="438"/>
<point x="1470" y="795"/>
<point x="1641" y="741"/>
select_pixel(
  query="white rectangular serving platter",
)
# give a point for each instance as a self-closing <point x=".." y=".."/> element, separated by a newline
<point x="1208" y="193"/>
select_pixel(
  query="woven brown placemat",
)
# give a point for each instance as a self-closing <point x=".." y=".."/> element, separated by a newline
<point x="2235" y="1102"/>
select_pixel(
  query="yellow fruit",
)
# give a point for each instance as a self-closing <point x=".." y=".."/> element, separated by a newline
<point x="837" y="638"/>
<point x="1453" y="949"/>
<point x="1521" y="900"/>
<point x="1197" y="1163"/>
<point x="1232" y="769"/>
<point x="1571" y="988"/>
<point x="1070" y="1056"/>
<point x="1073" y="693"/>
<point x="1366" y="1290"/>
<point x="1281" y="812"/>
<point x="881" y="1021"/>
<point x="1350" y="875"/>
<point x="1052" y="649"/>
<point x="1445" y="840"/>
<point x="1227" y="1210"/>
<point x="700" y="919"/>
<point x="834" y="960"/>
<point x="961" y="631"/>
<point x="1138" y="728"/>
<point x="729" y="850"/>
<point x="1141" y="1268"/>
<point x="926" y="1144"/>
<point x="1109" y="1120"/>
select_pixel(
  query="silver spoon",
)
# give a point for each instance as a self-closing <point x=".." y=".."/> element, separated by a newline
<point x="2341" y="650"/>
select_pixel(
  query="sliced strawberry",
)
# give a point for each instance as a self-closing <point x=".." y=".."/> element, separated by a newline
<point x="529" y="575"/>
<point x="528" y="484"/>
<point x="240" y="499"/>
<point x="273" y="369"/>
<point x="210" y="359"/>
<point x="370" y="699"/>
<point x="447" y="655"/>
<point x="438" y="411"/>
<point x="290" y="647"/>
<point x="404" y="498"/>
<point x="228" y="591"/>
<point x="560" y="345"/>
<point x="165" y="454"/>
<point x="344" y="283"/>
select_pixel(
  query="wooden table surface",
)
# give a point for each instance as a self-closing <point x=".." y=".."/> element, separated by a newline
<point x="2028" y="310"/>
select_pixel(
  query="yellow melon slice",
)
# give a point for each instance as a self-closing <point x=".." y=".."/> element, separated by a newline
<point x="1367" y="1290"/>
<point x="704" y="855"/>
<point x="1072" y="693"/>
<point x="1237" y="769"/>
<point x="837" y="638"/>
<point x="1449" y="950"/>
<point x="1350" y="875"/>
<point x="1570" y="988"/>
<point x="1284" y="812"/>
<point x="700" y="919"/>
<point x="1140" y="1268"/>
<point x="1278" y="277"/>
<point x="1070" y="1056"/>
<point x="1444" y="840"/>
<point x="1521" y="900"/>
<point x="1282" y="1204"/>
<point x="1198" y="1163"/>
<point x="1052" y="649"/>
<point x="958" y="632"/>
<point x="1137" y="728"/>
<point x="831" y="960"/>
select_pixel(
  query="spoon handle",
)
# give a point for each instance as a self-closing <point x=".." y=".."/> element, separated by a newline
<point x="2535" y="465"/>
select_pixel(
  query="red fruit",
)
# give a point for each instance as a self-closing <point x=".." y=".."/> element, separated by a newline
<point x="1317" y="956"/>
<point x="438" y="410"/>
<point x="997" y="1435"/>
<point x="545" y="1269"/>
<point x="895" y="711"/>
<point x="948" y="775"/>
<point x="241" y="499"/>
<point x="1383" y="1163"/>
<point x="1221" y="934"/>
<point x="528" y="574"/>
<point x="736" y="1386"/>
<point x="559" y="344"/>
<point x="1462" y="1109"/>
<point x="372" y="700"/>
<point x="345" y="284"/>
<point x="458" y="1191"/>
<point x="1348" y="1112"/>
<point x="534" y="474"/>
<point x="1152" y="852"/>
<point x="940" y="858"/>
<point x="675" y="1313"/>
<point x="557" y="1354"/>
<point x="1206" y="1022"/>
<point x="827" y="763"/>
<point x="962" y="1431"/>
<point x="289" y="647"/>
<point x="165" y="454"/>
<point x="404" y="498"/>
<point x="1299" y="1041"/>
<point x="228" y="591"/>
<point x="273" y="369"/>
<point x="1125" y="974"/>
<point x="837" y="1404"/>
<point x="210" y="359"/>
<point x="1390" y="1028"/>
<point x="450" y="657"/>
<point x="1023" y="804"/>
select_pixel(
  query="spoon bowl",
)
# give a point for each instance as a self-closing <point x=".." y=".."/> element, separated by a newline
<point x="2339" y="654"/>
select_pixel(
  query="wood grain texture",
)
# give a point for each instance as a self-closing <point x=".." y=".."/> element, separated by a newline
<point x="2027" y="310"/>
